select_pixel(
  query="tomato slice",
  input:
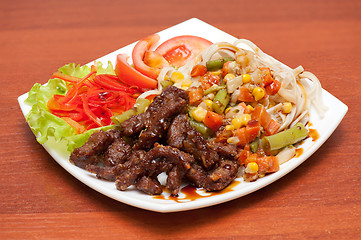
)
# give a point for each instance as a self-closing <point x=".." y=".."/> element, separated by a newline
<point x="130" y="76"/>
<point x="178" y="50"/>
<point x="140" y="50"/>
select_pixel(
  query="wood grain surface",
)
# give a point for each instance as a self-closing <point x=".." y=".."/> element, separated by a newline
<point x="320" y="199"/>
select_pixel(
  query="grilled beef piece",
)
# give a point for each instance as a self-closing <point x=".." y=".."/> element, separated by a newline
<point x="228" y="151"/>
<point x="149" y="185"/>
<point x="159" y="159"/>
<point x="216" y="179"/>
<point x="153" y="124"/>
<point x="118" y="152"/>
<point x="92" y="152"/>
<point x="182" y="135"/>
<point x="216" y="164"/>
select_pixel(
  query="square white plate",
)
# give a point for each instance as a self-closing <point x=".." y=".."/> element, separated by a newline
<point x="325" y="127"/>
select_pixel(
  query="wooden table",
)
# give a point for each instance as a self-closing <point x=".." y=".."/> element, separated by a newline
<point x="39" y="200"/>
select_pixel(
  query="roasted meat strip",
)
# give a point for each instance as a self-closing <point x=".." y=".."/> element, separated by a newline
<point x="153" y="124"/>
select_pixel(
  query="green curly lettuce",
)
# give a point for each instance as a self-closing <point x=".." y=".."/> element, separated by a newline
<point x="43" y="123"/>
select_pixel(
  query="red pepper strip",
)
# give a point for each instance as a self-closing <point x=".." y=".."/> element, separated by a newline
<point x="66" y="77"/>
<point x="73" y="92"/>
<point x="89" y="113"/>
<point x="111" y="82"/>
<point x="78" y="127"/>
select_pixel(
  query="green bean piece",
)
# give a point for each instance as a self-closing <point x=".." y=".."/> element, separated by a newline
<point x="214" y="88"/>
<point x="141" y="104"/>
<point x="203" y="129"/>
<point x="286" y="137"/>
<point x="220" y="101"/>
<point x="254" y="145"/>
<point x="214" y="65"/>
<point x="166" y="83"/>
<point x="139" y="107"/>
<point x="118" y="119"/>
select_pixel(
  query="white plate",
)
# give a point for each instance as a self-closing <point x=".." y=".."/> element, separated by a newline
<point x="324" y="127"/>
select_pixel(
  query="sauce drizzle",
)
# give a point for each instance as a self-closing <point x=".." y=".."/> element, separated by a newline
<point x="192" y="193"/>
<point x="314" y="134"/>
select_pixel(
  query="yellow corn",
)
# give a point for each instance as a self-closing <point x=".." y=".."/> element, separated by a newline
<point x="233" y="140"/>
<point x="250" y="108"/>
<point x="246" y="78"/>
<point x="216" y="72"/>
<point x="186" y="82"/>
<point x="209" y="104"/>
<point x="252" y="167"/>
<point x="199" y="114"/>
<point x="177" y="77"/>
<point x="258" y="93"/>
<point x="227" y="110"/>
<point x="241" y="120"/>
<point x="286" y="107"/>
<point x="229" y="76"/>
<point x="229" y="127"/>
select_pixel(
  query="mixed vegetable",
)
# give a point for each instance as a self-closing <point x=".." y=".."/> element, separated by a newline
<point x="229" y="99"/>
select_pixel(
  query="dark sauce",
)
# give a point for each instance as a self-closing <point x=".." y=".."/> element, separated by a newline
<point x="299" y="151"/>
<point x="191" y="193"/>
<point x="313" y="134"/>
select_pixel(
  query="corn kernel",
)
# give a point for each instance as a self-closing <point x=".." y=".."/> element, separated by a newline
<point x="216" y="72"/>
<point x="246" y="78"/>
<point x="233" y="140"/>
<point x="209" y="104"/>
<point x="229" y="76"/>
<point x="258" y="93"/>
<point x="286" y="107"/>
<point x="227" y="110"/>
<point x="241" y="120"/>
<point x="252" y="167"/>
<point x="177" y="77"/>
<point x="250" y="108"/>
<point x="186" y="82"/>
<point x="199" y="114"/>
<point x="229" y="127"/>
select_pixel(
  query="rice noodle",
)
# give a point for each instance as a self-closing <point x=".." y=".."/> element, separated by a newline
<point x="298" y="87"/>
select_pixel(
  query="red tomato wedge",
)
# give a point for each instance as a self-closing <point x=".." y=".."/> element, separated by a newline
<point x="178" y="50"/>
<point x="140" y="50"/>
<point x="130" y="76"/>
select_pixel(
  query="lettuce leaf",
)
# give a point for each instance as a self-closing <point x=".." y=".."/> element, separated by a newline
<point x="43" y="123"/>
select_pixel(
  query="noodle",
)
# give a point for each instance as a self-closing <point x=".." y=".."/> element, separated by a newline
<point x="298" y="87"/>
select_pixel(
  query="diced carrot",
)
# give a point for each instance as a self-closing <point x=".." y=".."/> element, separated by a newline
<point x="213" y="120"/>
<point x="245" y="95"/>
<point x="273" y="88"/>
<point x="195" y="95"/>
<point x="272" y="127"/>
<point x="198" y="70"/>
<point x="244" y="106"/>
<point x="267" y="77"/>
<point x="243" y="156"/>
<point x="268" y="164"/>
<point x="241" y="134"/>
<point x="209" y="79"/>
<point x="225" y="68"/>
<point x="260" y="114"/>
<point x="252" y="130"/>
